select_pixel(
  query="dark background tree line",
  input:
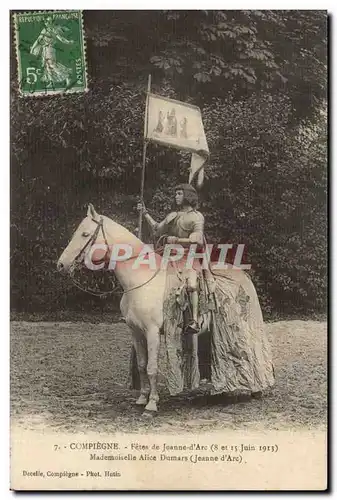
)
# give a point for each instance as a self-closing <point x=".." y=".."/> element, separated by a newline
<point x="260" y="80"/>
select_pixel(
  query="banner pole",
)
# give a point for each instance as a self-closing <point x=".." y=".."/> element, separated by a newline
<point x="140" y="222"/>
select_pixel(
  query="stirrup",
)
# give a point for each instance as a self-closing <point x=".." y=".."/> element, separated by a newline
<point x="192" y="328"/>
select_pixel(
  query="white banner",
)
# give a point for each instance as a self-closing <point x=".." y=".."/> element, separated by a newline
<point x="178" y="124"/>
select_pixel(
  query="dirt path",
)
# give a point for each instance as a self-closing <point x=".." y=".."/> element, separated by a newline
<point x="72" y="376"/>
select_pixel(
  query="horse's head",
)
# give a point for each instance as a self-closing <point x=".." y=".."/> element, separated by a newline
<point x="82" y="240"/>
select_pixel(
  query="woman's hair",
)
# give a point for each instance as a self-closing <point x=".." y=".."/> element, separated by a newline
<point x="190" y="194"/>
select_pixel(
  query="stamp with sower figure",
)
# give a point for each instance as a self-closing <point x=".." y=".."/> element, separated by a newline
<point x="50" y="52"/>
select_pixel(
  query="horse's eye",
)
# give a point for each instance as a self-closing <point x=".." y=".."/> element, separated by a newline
<point x="85" y="234"/>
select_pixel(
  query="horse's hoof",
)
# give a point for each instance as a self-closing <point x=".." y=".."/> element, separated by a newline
<point x="142" y="400"/>
<point x="151" y="406"/>
<point x="148" y="415"/>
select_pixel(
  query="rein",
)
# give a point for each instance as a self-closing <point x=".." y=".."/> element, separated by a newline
<point x="90" y="291"/>
<point x="92" y="239"/>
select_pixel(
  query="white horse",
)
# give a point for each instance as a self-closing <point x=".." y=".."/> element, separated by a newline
<point x="142" y="301"/>
<point x="244" y="350"/>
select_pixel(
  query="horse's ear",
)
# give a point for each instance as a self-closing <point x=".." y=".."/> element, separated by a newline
<point x="92" y="212"/>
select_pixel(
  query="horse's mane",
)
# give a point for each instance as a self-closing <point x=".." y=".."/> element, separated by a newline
<point x="122" y="229"/>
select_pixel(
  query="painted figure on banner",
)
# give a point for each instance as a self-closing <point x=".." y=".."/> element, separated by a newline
<point x="183" y="128"/>
<point x="171" y="123"/>
<point x="160" y="125"/>
<point x="44" y="48"/>
<point x="184" y="227"/>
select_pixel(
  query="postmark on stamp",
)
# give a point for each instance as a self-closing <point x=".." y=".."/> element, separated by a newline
<point x="50" y="50"/>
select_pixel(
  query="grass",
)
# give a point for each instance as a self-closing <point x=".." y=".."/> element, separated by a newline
<point x="73" y="377"/>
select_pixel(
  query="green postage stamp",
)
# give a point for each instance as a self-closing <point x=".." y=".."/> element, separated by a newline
<point x="50" y="49"/>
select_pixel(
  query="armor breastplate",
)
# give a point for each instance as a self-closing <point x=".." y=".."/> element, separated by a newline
<point x="182" y="224"/>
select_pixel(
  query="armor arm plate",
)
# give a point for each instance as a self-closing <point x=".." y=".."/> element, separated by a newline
<point x="197" y="234"/>
<point x="163" y="226"/>
<point x="152" y="223"/>
<point x="160" y="228"/>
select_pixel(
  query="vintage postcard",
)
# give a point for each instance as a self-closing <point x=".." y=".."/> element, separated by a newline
<point x="168" y="250"/>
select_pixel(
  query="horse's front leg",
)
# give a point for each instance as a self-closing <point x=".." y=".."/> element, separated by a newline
<point x="139" y="343"/>
<point x="153" y="342"/>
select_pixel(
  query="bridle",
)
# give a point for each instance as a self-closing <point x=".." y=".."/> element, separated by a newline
<point x="92" y="240"/>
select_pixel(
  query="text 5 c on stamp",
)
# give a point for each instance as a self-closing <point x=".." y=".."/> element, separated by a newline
<point x="50" y="50"/>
